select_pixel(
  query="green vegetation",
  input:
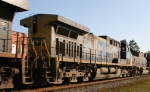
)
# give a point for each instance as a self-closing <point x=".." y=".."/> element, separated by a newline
<point x="139" y="86"/>
<point x="124" y="41"/>
<point x="133" y="44"/>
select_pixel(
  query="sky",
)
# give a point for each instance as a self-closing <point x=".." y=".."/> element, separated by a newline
<point x="119" y="19"/>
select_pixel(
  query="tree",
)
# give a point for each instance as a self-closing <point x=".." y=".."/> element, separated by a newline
<point x="124" y="41"/>
<point x="134" y="45"/>
<point x="148" y="54"/>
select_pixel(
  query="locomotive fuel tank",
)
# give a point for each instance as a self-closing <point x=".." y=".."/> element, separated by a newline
<point x="100" y="74"/>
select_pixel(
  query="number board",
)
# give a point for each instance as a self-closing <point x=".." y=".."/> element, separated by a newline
<point x="38" y="40"/>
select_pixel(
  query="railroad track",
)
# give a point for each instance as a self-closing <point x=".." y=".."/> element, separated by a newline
<point x="88" y="86"/>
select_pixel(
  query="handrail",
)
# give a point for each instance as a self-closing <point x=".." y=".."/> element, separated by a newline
<point x="33" y="47"/>
<point x="47" y="52"/>
<point x="34" y="51"/>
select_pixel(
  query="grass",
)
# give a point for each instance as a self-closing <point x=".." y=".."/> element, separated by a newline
<point x="139" y="86"/>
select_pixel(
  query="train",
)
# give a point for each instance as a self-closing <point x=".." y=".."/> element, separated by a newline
<point x="60" y="51"/>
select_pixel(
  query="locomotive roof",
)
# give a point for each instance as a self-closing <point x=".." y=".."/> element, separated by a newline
<point x="106" y="37"/>
<point x="17" y="5"/>
<point x="62" y="21"/>
<point x="66" y="22"/>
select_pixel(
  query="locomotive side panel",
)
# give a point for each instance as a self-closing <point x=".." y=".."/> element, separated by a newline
<point x="5" y="36"/>
<point x="112" y="50"/>
<point x="88" y="48"/>
<point x="100" y="48"/>
<point x="142" y="61"/>
<point x="128" y="56"/>
<point x="8" y="9"/>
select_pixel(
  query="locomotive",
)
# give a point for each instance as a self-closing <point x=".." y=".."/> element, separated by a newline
<point x="66" y="52"/>
<point x="60" y="51"/>
<point x="10" y="64"/>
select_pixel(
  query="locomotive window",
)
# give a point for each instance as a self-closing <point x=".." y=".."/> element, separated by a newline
<point x="63" y="48"/>
<point x="75" y="50"/>
<point x="80" y="50"/>
<point x="69" y="49"/>
<point x="110" y="41"/>
<point x="57" y="46"/>
<point x="72" y="49"/>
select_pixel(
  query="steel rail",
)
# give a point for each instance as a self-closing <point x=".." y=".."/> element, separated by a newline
<point x="88" y="86"/>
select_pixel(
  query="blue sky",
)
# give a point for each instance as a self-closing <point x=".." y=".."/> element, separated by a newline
<point x="119" y="19"/>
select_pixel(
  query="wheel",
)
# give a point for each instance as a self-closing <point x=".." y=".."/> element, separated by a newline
<point x="123" y="75"/>
<point x="66" y="81"/>
<point x="80" y="79"/>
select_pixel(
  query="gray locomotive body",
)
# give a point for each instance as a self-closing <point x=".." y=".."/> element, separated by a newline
<point x="68" y="52"/>
<point x="10" y="64"/>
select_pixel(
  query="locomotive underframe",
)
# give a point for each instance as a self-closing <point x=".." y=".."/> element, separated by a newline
<point x="10" y="69"/>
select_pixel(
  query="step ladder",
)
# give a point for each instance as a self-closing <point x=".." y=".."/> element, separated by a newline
<point x="47" y="61"/>
<point x="26" y="69"/>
